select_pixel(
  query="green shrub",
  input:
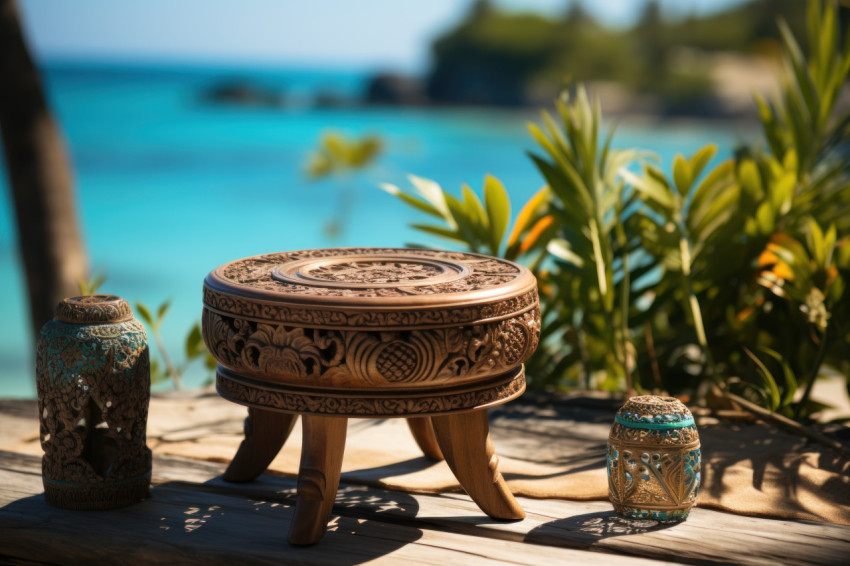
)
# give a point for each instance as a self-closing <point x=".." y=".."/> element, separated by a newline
<point x="727" y="276"/>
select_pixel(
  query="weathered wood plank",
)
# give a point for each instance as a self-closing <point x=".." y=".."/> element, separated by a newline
<point x="205" y="525"/>
<point x="250" y="521"/>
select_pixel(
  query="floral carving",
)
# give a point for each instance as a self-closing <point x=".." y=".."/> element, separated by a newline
<point x="371" y="358"/>
<point x="279" y="351"/>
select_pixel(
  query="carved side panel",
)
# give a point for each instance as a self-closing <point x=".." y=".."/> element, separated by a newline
<point x="358" y="359"/>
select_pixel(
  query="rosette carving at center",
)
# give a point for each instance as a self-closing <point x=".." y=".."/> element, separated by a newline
<point x="277" y="350"/>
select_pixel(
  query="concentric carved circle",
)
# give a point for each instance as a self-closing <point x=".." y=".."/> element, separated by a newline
<point x="368" y="272"/>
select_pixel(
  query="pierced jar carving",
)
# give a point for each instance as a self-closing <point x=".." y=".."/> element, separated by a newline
<point x="93" y="382"/>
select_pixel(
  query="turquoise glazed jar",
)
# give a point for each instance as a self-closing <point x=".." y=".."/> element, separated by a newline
<point x="653" y="459"/>
<point x="93" y="381"/>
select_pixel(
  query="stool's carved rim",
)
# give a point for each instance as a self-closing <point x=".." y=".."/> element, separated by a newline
<point x="366" y="317"/>
<point x="465" y="280"/>
<point x="370" y="403"/>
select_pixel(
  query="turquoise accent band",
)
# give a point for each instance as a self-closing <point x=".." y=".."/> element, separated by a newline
<point x="654" y="426"/>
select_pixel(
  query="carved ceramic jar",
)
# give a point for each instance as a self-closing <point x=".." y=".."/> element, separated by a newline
<point x="93" y="380"/>
<point x="371" y="331"/>
<point x="653" y="459"/>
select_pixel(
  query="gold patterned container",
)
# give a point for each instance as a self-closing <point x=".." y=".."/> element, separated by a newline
<point x="653" y="459"/>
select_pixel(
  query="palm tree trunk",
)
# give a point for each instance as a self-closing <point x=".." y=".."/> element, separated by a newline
<point x="39" y="176"/>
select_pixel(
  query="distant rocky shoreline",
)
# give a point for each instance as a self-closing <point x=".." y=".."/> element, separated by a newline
<point x="387" y="89"/>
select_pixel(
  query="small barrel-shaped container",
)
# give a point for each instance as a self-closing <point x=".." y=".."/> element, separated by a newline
<point x="653" y="459"/>
<point x="93" y="381"/>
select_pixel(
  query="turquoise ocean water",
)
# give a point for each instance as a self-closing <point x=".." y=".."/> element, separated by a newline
<point x="169" y="187"/>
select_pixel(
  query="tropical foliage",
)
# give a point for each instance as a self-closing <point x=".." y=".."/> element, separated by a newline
<point x="727" y="275"/>
<point x="337" y="153"/>
<point x="163" y="368"/>
<point x="339" y="157"/>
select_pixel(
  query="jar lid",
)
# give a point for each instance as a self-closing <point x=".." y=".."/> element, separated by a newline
<point x="654" y="412"/>
<point x="93" y="309"/>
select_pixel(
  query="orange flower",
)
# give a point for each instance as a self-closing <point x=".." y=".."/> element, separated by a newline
<point x="780" y="269"/>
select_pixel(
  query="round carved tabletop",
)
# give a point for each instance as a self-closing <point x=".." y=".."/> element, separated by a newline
<point x="371" y="331"/>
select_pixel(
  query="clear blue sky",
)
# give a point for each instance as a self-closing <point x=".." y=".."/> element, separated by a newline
<point x="373" y="33"/>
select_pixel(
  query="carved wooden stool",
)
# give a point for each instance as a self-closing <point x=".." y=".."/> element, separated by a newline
<point x="435" y="337"/>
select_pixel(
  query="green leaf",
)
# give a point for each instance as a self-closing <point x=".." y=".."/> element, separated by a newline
<point x="829" y="244"/>
<point x="700" y="159"/>
<point x="160" y="313"/>
<point x="440" y="231"/>
<point x="467" y="226"/>
<point x="797" y="62"/>
<point x="790" y="388"/>
<point x="682" y="174"/>
<point x="765" y="218"/>
<point x="714" y="212"/>
<point x="194" y="343"/>
<point x="145" y="314"/>
<point x="560" y="248"/>
<point x="827" y="50"/>
<point x="817" y="242"/>
<point x="432" y="193"/>
<point x="715" y="181"/>
<point x="750" y="179"/>
<point x="157" y="373"/>
<point x="782" y="192"/>
<point x="475" y="211"/>
<point x="649" y="187"/>
<point x="498" y="210"/>
<point x="773" y="397"/>
<point x="210" y="362"/>
<point x="90" y="287"/>
<point x="410" y="200"/>
<point x="842" y="253"/>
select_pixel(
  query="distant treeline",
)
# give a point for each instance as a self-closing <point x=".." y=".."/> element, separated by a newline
<point x="503" y="58"/>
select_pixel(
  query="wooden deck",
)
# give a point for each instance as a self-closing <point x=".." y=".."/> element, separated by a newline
<point x="193" y="517"/>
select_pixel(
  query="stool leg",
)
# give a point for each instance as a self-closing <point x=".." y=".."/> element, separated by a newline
<point x="318" y="476"/>
<point x="422" y="430"/>
<point x="465" y="441"/>
<point x="265" y="433"/>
